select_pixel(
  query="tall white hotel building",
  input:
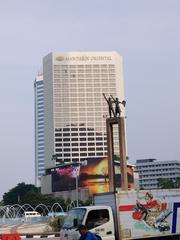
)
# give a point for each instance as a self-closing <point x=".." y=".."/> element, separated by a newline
<point x="74" y="107"/>
<point x="71" y="112"/>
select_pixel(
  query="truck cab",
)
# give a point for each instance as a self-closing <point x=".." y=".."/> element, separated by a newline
<point x="98" y="219"/>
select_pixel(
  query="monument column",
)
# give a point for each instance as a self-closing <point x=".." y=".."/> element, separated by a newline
<point x="115" y="118"/>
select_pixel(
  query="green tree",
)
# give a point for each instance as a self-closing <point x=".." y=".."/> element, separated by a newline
<point x="167" y="183"/>
<point x="32" y="197"/>
<point x="16" y="194"/>
<point x="177" y="182"/>
<point x="29" y="194"/>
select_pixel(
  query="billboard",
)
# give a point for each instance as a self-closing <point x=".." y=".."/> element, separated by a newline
<point x="64" y="179"/>
<point x="93" y="176"/>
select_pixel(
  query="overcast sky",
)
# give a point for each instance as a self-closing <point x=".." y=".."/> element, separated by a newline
<point x="145" y="33"/>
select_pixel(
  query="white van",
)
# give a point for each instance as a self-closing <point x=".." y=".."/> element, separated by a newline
<point x="30" y="214"/>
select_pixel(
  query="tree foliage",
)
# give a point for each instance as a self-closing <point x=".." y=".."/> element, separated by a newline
<point x="17" y="194"/>
<point x="167" y="183"/>
<point x="28" y="193"/>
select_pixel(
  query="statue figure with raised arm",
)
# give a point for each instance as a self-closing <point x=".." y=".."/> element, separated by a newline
<point x="117" y="106"/>
<point x="110" y="105"/>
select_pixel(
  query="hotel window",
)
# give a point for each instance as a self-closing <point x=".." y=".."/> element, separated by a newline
<point x="74" y="144"/>
<point x="75" y="154"/>
<point x="66" y="144"/>
<point x="74" y="134"/>
<point x="74" y="139"/>
<point x="90" y="139"/>
<point x="91" y="149"/>
<point x="83" y="154"/>
<point x="90" y="154"/>
<point x="100" y="153"/>
<point x="58" y="150"/>
<point x="66" y="155"/>
<point x="82" y="139"/>
<point x="66" y="149"/>
<point x="83" y="149"/>
<point x="82" y="144"/>
<point x="75" y="149"/>
<point x="91" y="143"/>
<point x="66" y="139"/>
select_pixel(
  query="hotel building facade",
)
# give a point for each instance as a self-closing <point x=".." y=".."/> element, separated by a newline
<point x="74" y="107"/>
<point x="75" y="110"/>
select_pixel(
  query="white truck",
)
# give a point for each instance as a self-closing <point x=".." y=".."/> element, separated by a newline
<point x="128" y="215"/>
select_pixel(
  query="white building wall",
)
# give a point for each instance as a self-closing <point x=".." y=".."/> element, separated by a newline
<point x="74" y="104"/>
<point x="39" y="129"/>
<point x="48" y="110"/>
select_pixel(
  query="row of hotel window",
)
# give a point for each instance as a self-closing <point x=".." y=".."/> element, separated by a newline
<point x="84" y="66"/>
<point x="78" y="69"/>
<point x="66" y="129"/>
<point x="87" y="70"/>
<point x="82" y="154"/>
<point x="80" y="144"/>
<point x="79" y="89"/>
<point x="66" y="134"/>
<point x="80" y="139"/>
<point x="80" y="149"/>
<point x="85" y="75"/>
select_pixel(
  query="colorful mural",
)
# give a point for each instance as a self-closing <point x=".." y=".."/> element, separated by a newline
<point x="149" y="213"/>
<point x="152" y="213"/>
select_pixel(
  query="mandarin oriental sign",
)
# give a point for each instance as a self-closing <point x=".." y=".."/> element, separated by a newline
<point x="84" y="58"/>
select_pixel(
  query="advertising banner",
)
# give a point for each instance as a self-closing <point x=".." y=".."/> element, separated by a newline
<point x="93" y="176"/>
<point x="64" y="179"/>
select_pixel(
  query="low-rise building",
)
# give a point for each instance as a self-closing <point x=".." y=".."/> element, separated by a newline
<point x="150" y="170"/>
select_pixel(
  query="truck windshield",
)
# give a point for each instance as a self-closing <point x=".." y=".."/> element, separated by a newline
<point x="74" y="218"/>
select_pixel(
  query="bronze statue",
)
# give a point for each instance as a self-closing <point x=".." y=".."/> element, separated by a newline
<point x="114" y="110"/>
<point x="117" y="106"/>
<point x="110" y="104"/>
